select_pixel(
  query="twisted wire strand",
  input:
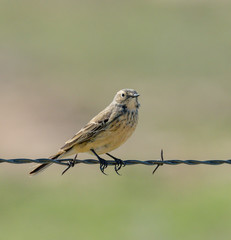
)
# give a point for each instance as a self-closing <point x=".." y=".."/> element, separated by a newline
<point x="111" y="162"/>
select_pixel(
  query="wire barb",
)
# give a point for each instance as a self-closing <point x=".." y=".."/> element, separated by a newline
<point x="161" y="163"/>
<point x="71" y="163"/>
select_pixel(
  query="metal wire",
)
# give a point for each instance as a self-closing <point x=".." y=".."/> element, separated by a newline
<point x="158" y="163"/>
<point x="111" y="162"/>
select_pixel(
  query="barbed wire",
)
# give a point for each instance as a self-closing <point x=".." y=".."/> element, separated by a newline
<point x="158" y="163"/>
<point x="111" y="162"/>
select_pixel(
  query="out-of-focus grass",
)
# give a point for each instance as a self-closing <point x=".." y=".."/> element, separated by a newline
<point x="134" y="206"/>
<point x="61" y="62"/>
<point x="141" y="39"/>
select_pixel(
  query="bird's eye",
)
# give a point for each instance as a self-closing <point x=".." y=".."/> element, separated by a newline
<point x="123" y="95"/>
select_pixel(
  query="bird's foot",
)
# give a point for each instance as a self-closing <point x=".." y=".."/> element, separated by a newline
<point x="119" y="163"/>
<point x="103" y="162"/>
<point x="103" y="165"/>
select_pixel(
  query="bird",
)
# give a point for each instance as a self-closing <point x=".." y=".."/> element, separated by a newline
<point x="105" y="132"/>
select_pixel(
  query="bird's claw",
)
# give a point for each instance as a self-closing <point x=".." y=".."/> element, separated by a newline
<point x="103" y="165"/>
<point x="118" y="165"/>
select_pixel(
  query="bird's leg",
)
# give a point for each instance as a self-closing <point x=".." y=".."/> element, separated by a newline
<point x="71" y="163"/>
<point x="103" y="162"/>
<point x="119" y="163"/>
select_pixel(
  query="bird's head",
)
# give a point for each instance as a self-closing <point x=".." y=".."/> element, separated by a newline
<point x="127" y="97"/>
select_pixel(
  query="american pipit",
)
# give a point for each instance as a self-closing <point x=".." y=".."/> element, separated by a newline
<point x="105" y="132"/>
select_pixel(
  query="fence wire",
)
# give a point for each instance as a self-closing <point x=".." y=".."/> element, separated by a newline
<point x="112" y="162"/>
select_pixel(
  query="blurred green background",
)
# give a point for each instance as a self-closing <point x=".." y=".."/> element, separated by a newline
<point x="61" y="62"/>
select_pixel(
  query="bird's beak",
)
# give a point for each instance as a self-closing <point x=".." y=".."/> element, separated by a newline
<point x="136" y="95"/>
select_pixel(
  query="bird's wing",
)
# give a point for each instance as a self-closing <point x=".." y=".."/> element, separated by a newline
<point x="98" y="124"/>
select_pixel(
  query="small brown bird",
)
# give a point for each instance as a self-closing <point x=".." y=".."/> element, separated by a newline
<point x="105" y="132"/>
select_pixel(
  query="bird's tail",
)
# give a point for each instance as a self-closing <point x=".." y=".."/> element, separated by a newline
<point x="43" y="166"/>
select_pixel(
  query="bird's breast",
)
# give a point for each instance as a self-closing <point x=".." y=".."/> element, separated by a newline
<point x="117" y="132"/>
<point x="114" y="135"/>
